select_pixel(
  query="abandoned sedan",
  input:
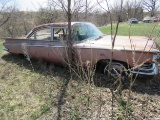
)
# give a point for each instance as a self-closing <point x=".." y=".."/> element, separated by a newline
<point x="49" y="42"/>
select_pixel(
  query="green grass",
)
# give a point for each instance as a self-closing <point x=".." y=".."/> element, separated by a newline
<point x="140" y="29"/>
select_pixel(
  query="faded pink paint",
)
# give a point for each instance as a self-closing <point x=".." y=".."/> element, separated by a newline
<point x="128" y="50"/>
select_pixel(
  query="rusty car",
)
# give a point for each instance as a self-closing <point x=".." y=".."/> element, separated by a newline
<point x="49" y="42"/>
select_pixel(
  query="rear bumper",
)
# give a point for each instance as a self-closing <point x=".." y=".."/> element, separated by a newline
<point x="152" y="70"/>
<point x="5" y="49"/>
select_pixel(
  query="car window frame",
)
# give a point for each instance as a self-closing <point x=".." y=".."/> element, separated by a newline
<point x="53" y="32"/>
<point x="33" y="32"/>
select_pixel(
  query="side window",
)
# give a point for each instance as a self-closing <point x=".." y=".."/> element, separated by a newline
<point x="43" y="34"/>
<point x="32" y="36"/>
<point x="60" y="34"/>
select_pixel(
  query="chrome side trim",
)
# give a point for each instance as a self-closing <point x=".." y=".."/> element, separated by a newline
<point x="28" y="45"/>
<point x="86" y="47"/>
<point x="5" y="49"/>
<point x="117" y="49"/>
<point x="154" y="70"/>
<point x="38" y="45"/>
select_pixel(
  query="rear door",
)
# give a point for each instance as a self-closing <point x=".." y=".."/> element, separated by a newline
<point x="39" y="43"/>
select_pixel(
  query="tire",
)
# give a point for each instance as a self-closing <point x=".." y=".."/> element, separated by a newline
<point x="117" y="70"/>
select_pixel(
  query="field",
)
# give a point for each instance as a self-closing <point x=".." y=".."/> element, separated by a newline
<point x="45" y="91"/>
<point x="141" y="29"/>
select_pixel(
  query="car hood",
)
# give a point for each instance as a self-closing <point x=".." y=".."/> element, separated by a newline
<point x="137" y="43"/>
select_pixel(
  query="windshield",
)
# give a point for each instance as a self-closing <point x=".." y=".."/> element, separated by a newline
<point x="85" y="31"/>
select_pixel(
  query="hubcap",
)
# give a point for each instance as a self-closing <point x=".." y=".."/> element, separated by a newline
<point x="116" y="69"/>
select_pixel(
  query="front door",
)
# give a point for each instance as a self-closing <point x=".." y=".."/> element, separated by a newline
<point x="58" y="46"/>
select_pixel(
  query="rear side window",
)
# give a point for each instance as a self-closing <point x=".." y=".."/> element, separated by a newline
<point x="41" y="34"/>
<point x="32" y="36"/>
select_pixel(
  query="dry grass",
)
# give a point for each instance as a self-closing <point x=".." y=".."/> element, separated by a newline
<point x="46" y="94"/>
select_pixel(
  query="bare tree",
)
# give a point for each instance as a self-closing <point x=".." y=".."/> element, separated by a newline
<point x="86" y="11"/>
<point x="70" y="55"/>
<point x="133" y="9"/>
<point x="49" y="15"/>
<point x="10" y="27"/>
<point x="18" y="24"/>
<point x="66" y="6"/>
<point x="4" y="12"/>
<point x="151" y="6"/>
<point x="71" y="9"/>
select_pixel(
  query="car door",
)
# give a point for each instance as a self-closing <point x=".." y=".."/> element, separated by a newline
<point x="83" y="35"/>
<point x="58" y="46"/>
<point x="39" y="43"/>
<point x="82" y="48"/>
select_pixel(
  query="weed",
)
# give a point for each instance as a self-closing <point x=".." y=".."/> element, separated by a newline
<point x="74" y="114"/>
<point x="122" y="109"/>
<point x="44" y="109"/>
<point x="35" y="115"/>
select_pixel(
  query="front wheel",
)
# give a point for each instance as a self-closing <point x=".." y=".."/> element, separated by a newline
<point x="115" y="70"/>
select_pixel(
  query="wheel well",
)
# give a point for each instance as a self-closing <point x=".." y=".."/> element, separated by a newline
<point x="21" y="55"/>
<point x="101" y="64"/>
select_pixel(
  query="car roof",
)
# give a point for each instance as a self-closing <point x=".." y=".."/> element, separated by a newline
<point x="59" y="24"/>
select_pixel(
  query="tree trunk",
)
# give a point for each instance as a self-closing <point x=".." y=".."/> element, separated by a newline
<point x="86" y="11"/>
<point x="70" y="53"/>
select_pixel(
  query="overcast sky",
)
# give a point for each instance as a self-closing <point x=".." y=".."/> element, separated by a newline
<point x="32" y="5"/>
